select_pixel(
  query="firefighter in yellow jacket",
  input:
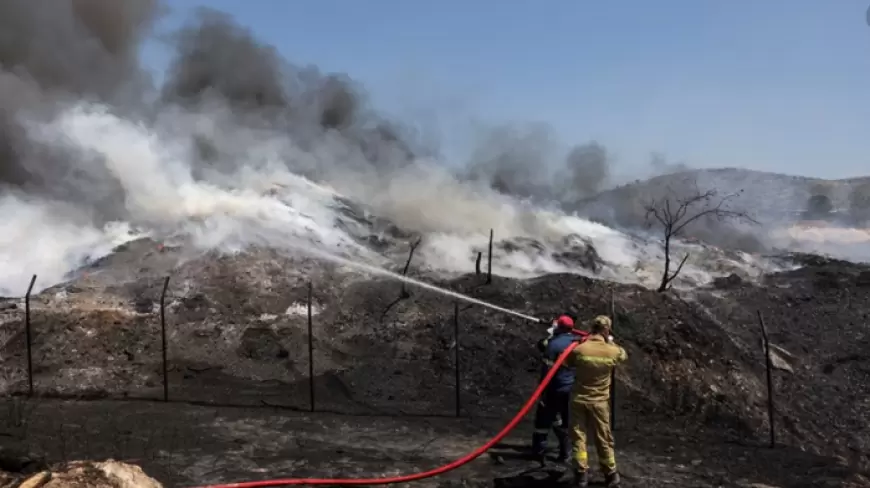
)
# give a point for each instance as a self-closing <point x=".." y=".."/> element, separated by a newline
<point x="593" y="361"/>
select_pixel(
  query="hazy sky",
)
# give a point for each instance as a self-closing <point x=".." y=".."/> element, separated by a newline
<point x="776" y="85"/>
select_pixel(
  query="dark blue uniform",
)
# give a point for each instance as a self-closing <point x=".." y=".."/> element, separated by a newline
<point x="554" y="405"/>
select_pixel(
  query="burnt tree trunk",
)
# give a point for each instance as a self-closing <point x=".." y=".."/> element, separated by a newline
<point x="667" y="271"/>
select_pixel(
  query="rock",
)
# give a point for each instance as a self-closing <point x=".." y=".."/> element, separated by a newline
<point x="37" y="480"/>
<point x="127" y="475"/>
<point x="107" y="474"/>
<point x="730" y="281"/>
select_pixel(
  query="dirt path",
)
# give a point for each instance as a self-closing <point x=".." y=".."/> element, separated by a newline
<point x="183" y="445"/>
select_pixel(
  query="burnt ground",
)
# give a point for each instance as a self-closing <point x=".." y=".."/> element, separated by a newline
<point x="237" y="334"/>
<point x="182" y="445"/>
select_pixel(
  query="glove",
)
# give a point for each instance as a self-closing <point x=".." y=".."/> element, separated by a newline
<point x="610" y="339"/>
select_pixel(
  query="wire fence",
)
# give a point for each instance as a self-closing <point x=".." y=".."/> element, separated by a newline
<point x="304" y="364"/>
<point x="220" y="358"/>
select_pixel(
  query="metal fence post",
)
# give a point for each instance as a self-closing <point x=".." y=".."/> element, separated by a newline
<point x="769" y="366"/>
<point x="456" y="355"/>
<point x="489" y="260"/>
<point x="310" y="349"/>
<point x="163" y="339"/>
<point x="29" y="337"/>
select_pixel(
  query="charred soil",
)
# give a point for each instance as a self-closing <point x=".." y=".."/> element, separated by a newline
<point x="691" y="402"/>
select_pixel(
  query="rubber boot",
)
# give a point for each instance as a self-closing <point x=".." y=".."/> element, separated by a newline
<point x="612" y="480"/>
<point x="581" y="478"/>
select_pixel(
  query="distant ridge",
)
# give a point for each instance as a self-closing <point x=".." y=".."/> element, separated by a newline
<point x="769" y="196"/>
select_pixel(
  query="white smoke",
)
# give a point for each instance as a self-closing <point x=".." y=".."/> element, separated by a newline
<point x="262" y="203"/>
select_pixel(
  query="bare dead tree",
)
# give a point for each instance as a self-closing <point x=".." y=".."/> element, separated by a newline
<point x="674" y="213"/>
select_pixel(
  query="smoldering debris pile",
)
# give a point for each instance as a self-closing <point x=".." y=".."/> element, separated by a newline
<point x="238" y="334"/>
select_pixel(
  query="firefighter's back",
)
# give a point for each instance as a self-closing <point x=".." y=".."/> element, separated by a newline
<point x="593" y="362"/>
<point x="564" y="378"/>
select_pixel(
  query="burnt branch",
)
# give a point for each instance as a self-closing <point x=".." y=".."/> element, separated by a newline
<point x="404" y="295"/>
<point x="414" y="245"/>
<point x="391" y="305"/>
<point x="676" y="271"/>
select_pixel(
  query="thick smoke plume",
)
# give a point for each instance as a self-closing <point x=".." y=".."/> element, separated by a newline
<point x="240" y="146"/>
<point x="529" y="162"/>
<point x="49" y="56"/>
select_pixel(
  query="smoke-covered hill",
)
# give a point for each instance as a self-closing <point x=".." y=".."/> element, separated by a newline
<point x="239" y="147"/>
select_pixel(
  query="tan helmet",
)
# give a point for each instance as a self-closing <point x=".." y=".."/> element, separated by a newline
<point x="601" y="323"/>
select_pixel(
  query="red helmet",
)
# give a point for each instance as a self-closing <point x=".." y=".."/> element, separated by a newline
<point x="564" y="321"/>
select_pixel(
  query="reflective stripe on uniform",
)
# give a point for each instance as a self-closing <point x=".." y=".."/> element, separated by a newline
<point x="598" y="360"/>
<point x="541" y="431"/>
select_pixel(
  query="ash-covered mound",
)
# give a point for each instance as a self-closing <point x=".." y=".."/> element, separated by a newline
<point x="817" y="320"/>
<point x="237" y="331"/>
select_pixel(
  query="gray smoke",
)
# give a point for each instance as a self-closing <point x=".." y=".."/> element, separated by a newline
<point x="529" y="162"/>
<point x="87" y="49"/>
<point x="587" y="172"/>
<point x="51" y="55"/>
<point x="218" y="62"/>
<point x="217" y="59"/>
<point x="515" y="160"/>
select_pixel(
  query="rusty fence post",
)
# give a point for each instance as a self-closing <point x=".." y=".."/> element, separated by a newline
<point x="29" y="336"/>
<point x="489" y="260"/>
<point x="769" y="367"/>
<point x="458" y="389"/>
<point x="310" y="349"/>
<point x="163" y="339"/>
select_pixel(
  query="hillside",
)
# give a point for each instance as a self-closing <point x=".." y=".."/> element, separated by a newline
<point x="772" y="197"/>
<point x="238" y="335"/>
<point x="780" y="206"/>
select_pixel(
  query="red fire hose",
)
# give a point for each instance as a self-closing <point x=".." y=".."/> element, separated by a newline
<point x="426" y="474"/>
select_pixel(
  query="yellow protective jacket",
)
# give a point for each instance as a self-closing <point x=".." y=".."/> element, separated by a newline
<point x="593" y="361"/>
